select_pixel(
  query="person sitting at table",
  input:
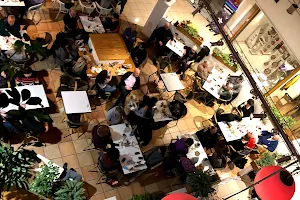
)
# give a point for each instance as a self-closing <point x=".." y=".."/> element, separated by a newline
<point x="110" y="158"/>
<point x="204" y="51"/>
<point x="145" y="108"/>
<point x="27" y="77"/>
<point x="18" y="53"/>
<point x="203" y="70"/>
<point x="4" y="79"/>
<point x="129" y="36"/>
<point x="161" y="35"/>
<point x="139" y="54"/>
<point x="268" y="140"/>
<point x="12" y="26"/>
<point x="247" y="108"/>
<point x="102" y="80"/>
<point x="190" y="54"/>
<point x="236" y="81"/>
<point x="70" y="20"/>
<point x="112" y="24"/>
<point x="251" y="141"/>
<point x="226" y="92"/>
<point x="208" y="137"/>
<point x="129" y="81"/>
<point x="228" y="117"/>
<point x="182" y="145"/>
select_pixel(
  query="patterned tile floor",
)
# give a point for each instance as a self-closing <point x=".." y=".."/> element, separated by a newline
<point x="70" y="149"/>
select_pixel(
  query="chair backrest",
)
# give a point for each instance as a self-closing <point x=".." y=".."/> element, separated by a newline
<point x="36" y="7"/>
<point x="87" y="8"/>
<point x="62" y="6"/>
<point x="67" y="80"/>
<point x="103" y="11"/>
<point x="74" y="120"/>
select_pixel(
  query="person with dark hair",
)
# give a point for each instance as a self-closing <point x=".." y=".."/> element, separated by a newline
<point x="112" y="24"/>
<point x="208" y="137"/>
<point x="129" y="36"/>
<point x="4" y="79"/>
<point x="102" y="80"/>
<point x="18" y="53"/>
<point x="27" y="77"/>
<point x="247" y="108"/>
<point x="190" y="55"/>
<point x="12" y="26"/>
<point x="204" y="51"/>
<point x="70" y="174"/>
<point x="182" y="145"/>
<point x="226" y="92"/>
<point x="228" y="117"/>
<point x="268" y="140"/>
<point x="139" y="54"/>
<point x="110" y="158"/>
<point x="70" y="20"/>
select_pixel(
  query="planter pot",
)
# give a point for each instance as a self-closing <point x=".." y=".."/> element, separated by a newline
<point x="221" y="60"/>
<point x="198" y="42"/>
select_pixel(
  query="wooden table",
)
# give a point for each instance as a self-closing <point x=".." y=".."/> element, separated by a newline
<point x="92" y="26"/>
<point x="9" y="3"/>
<point x="114" y="70"/>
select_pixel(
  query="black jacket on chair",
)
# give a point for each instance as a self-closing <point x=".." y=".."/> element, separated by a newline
<point x="137" y="82"/>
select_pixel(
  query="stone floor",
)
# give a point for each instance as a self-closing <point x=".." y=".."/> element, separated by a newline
<point x="70" y="149"/>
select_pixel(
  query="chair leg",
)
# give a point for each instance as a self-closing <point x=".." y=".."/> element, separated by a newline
<point x="58" y="12"/>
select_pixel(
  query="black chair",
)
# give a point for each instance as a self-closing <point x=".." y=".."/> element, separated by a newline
<point x="67" y="83"/>
<point x="74" y="122"/>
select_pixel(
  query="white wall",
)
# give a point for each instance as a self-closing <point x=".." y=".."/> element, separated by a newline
<point x="288" y="26"/>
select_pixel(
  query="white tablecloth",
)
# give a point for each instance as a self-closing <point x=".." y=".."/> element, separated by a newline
<point x="35" y="90"/>
<point x="215" y="81"/>
<point x="171" y="82"/>
<point x="7" y="43"/>
<point x="128" y="147"/>
<point x="10" y="3"/>
<point x="176" y="46"/>
<point x="94" y="26"/>
<point x="76" y="102"/>
<point x="239" y="129"/>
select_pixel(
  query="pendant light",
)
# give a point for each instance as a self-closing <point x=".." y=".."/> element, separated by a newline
<point x="280" y="186"/>
<point x="179" y="196"/>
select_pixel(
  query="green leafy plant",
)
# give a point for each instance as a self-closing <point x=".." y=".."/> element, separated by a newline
<point x="267" y="159"/>
<point x="191" y="30"/>
<point x="44" y="181"/>
<point x="71" y="190"/>
<point x="201" y="183"/>
<point x="227" y="58"/>
<point x="16" y="165"/>
<point x="284" y="121"/>
<point x="146" y="196"/>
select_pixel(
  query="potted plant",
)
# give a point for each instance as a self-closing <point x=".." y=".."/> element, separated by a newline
<point x="16" y="165"/>
<point x="71" y="190"/>
<point x="201" y="183"/>
<point x="285" y="121"/>
<point x="43" y="183"/>
<point x="226" y="59"/>
<point x="267" y="159"/>
<point x="146" y="196"/>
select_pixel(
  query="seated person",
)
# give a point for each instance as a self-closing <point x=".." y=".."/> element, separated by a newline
<point x="112" y="24"/>
<point x="236" y="81"/>
<point x="110" y="158"/>
<point x="27" y="77"/>
<point x="80" y="66"/>
<point x="17" y="54"/>
<point x="226" y="91"/>
<point x="247" y="108"/>
<point x="145" y="108"/>
<point x="203" y="70"/>
<point x="129" y="36"/>
<point x="208" y="137"/>
<point x="139" y="54"/>
<point x="4" y="79"/>
<point x="268" y="140"/>
<point x="182" y="145"/>
<point x="70" y="20"/>
<point x="228" y="117"/>
<point x="190" y="54"/>
<point x="129" y="81"/>
<point x="251" y="141"/>
<point x="12" y="26"/>
<point x="102" y="80"/>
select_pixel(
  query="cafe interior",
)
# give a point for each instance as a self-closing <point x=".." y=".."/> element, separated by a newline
<point x="148" y="99"/>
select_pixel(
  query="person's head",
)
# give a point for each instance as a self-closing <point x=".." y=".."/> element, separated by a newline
<point x="205" y="64"/>
<point x="189" y="142"/>
<point x="167" y="26"/>
<point x="250" y="102"/>
<point x="100" y="78"/>
<point x="115" y="17"/>
<point x="213" y="130"/>
<point x="194" y="48"/>
<point x="11" y="19"/>
<point x="3" y="74"/>
<point x="133" y="27"/>
<point x="27" y="72"/>
<point x="229" y="86"/>
<point x="26" y="37"/>
<point x="276" y="137"/>
<point x="248" y="136"/>
<point x="136" y="72"/>
<point x="18" y="46"/>
<point x="113" y="153"/>
<point x="142" y="45"/>
<point x="72" y="12"/>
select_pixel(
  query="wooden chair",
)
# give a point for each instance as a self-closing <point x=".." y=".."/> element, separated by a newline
<point x="34" y="9"/>
<point x="61" y="7"/>
<point x="102" y="11"/>
<point x="87" y="8"/>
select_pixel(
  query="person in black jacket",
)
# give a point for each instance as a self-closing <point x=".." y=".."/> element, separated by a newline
<point x="162" y="36"/>
<point x="70" y="20"/>
<point x="247" y="108"/>
<point x="130" y="81"/>
<point x="139" y="54"/>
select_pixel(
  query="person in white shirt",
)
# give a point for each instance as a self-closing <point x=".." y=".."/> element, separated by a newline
<point x="130" y="81"/>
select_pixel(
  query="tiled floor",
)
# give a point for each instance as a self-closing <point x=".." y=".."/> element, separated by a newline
<point x="70" y="149"/>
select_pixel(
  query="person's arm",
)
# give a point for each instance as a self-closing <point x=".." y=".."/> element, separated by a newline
<point x="136" y="84"/>
<point x="67" y="175"/>
<point x="124" y="77"/>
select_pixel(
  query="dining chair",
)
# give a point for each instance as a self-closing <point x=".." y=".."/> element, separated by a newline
<point x="34" y="9"/>
<point x="86" y="7"/>
<point x="102" y="11"/>
<point x="75" y="123"/>
<point x="61" y="7"/>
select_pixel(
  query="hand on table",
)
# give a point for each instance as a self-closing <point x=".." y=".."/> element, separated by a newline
<point x="160" y="43"/>
<point x="128" y="88"/>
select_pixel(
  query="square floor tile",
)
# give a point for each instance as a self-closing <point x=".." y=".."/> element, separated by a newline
<point x="58" y="161"/>
<point x="80" y="145"/>
<point x="52" y="151"/>
<point x="93" y="188"/>
<point x="125" y="192"/>
<point x="151" y="188"/>
<point x="72" y="161"/>
<point x="137" y="188"/>
<point x="66" y="148"/>
<point x="90" y="173"/>
<point x="113" y="193"/>
<point x="190" y="123"/>
<point x="182" y="126"/>
<point x="167" y="139"/>
<point x="98" y="197"/>
<point x="85" y="159"/>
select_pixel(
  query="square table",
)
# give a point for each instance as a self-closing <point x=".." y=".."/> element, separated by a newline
<point x="10" y="3"/>
<point x="171" y="82"/>
<point x="239" y="129"/>
<point x="176" y="46"/>
<point x="121" y="134"/>
<point x="92" y="26"/>
<point x="215" y="81"/>
<point x="35" y="90"/>
<point x="109" y="47"/>
<point x="76" y="102"/>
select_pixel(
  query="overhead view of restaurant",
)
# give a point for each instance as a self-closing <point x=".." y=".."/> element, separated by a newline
<point x="149" y="99"/>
